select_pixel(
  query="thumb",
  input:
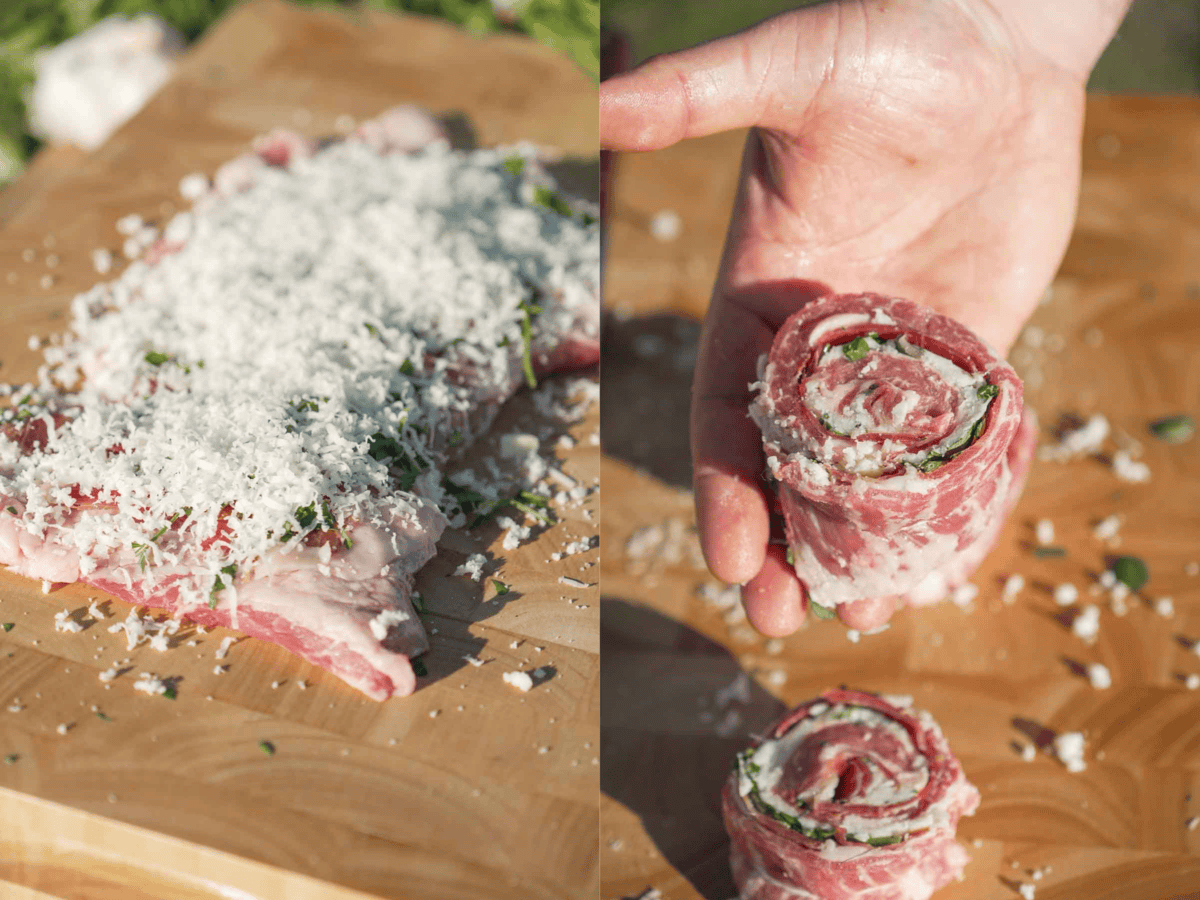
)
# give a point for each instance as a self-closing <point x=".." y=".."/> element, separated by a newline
<point x="762" y="76"/>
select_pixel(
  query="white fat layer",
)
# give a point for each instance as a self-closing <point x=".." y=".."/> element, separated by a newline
<point x="771" y="756"/>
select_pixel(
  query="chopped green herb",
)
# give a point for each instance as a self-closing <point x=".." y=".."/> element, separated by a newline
<point x="822" y="612"/>
<point x="12" y="509"/>
<point x="305" y="405"/>
<point x="932" y="464"/>
<point x="533" y="499"/>
<point x="1049" y="552"/>
<point x="545" y="197"/>
<point x="407" y="368"/>
<point x="501" y="587"/>
<point x="155" y="358"/>
<point x="102" y="716"/>
<point x="528" y="311"/>
<point x="306" y="515"/>
<point x="267" y="747"/>
<point x="856" y="349"/>
<point x="418" y="602"/>
<point x="218" y="586"/>
<point x="791" y="557"/>
<point x="588" y="219"/>
<point x="515" y="164"/>
<point x="169" y="693"/>
<point x="987" y="391"/>
<point x="1174" y="429"/>
<point x="159" y="533"/>
<point x="418" y="667"/>
<point x="10" y="758"/>
<point x="7" y="626"/>
<point x="456" y="438"/>
<point x="544" y="518"/>
<point x="142" y="552"/>
<point x="371" y="328"/>
<point x="883" y="841"/>
<point x="1131" y="572"/>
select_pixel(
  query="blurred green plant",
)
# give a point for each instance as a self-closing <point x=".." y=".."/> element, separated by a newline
<point x="27" y="26"/>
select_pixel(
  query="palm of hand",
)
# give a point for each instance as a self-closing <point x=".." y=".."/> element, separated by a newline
<point x="927" y="165"/>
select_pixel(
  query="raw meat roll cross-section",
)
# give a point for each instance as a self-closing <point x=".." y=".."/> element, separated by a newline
<point x="899" y="443"/>
<point x="851" y="796"/>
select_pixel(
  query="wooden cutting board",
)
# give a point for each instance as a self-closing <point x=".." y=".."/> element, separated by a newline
<point x="1120" y="333"/>
<point x="466" y="789"/>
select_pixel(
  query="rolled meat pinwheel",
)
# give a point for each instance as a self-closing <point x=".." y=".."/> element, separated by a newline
<point x="899" y="442"/>
<point x="851" y="796"/>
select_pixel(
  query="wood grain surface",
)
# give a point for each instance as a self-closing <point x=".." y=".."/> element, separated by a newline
<point x="466" y="789"/>
<point x="1119" y="335"/>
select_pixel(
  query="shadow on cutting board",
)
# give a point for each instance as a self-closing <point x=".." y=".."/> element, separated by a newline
<point x="676" y="707"/>
<point x="648" y="363"/>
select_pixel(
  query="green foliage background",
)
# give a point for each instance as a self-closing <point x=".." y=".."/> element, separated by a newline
<point x="26" y="26"/>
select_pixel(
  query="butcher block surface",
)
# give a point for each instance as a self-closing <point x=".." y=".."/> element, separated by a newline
<point x="467" y="789"/>
<point x="1118" y="333"/>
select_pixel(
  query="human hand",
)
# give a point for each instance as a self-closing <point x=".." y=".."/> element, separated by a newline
<point x="919" y="150"/>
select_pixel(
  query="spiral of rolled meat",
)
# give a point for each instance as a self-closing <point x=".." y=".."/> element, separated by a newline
<point x="851" y="796"/>
<point x="899" y="441"/>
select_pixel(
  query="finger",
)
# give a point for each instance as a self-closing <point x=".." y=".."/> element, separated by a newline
<point x="773" y="598"/>
<point x="865" y="615"/>
<point x="731" y="504"/>
<point x="733" y="82"/>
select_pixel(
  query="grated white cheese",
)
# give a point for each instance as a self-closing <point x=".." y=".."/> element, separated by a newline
<point x="1012" y="586"/>
<point x="1066" y="594"/>
<point x="1087" y="623"/>
<point x="472" y="567"/>
<point x="1099" y="676"/>
<point x="1068" y="747"/>
<point x="382" y="623"/>
<point x="1106" y="529"/>
<point x="1126" y="468"/>
<point x="665" y="225"/>
<point x="1165" y="607"/>
<point x="963" y="595"/>
<point x="64" y="622"/>
<point x="150" y="683"/>
<point x="223" y="649"/>
<point x="520" y="680"/>
<point x="1044" y="531"/>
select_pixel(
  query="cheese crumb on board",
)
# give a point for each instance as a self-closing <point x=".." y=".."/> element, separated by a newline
<point x="1099" y="676"/>
<point x="1044" y="532"/>
<point x="1066" y="594"/>
<point x="1126" y="468"/>
<point x="149" y="683"/>
<point x="1087" y="623"/>
<point x="1106" y="529"/>
<point x="64" y="622"/>
<point x="520" y="680"/>
<point x="1027" y="891"/>
<point x="1068" y="747"/>
<point x="472" y="567"/>
<point x="1012" y="586"/>
<point x="1165" y="607"/>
